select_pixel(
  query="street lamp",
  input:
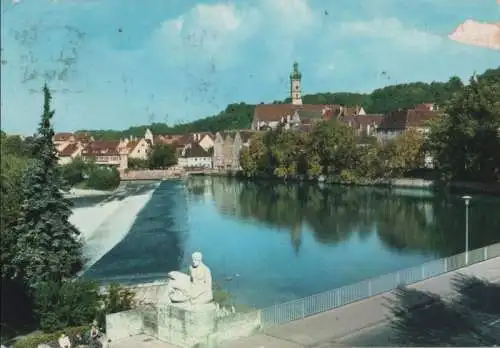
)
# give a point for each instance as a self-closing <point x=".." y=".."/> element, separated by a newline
<point x="467" y="201"/>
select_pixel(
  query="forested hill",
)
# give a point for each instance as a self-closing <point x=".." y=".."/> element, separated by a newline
<point x="383" y="100"/>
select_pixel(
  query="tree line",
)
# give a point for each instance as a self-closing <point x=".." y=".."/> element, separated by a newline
<point x="239" y="115"/>
<point x="464" y="143"/>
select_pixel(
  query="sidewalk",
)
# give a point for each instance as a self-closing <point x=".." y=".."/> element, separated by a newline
<point x="324" y="328"/>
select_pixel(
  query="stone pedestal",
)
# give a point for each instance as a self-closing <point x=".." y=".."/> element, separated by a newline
<point x="186" y="325"/>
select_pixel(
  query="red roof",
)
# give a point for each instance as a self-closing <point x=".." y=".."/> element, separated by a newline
<point x="274" y="112"/>
<point x="69" y="150"/>
<point x="403" y="119"/>
<point x="62" y="136"/>
<point x="102" y="148"/>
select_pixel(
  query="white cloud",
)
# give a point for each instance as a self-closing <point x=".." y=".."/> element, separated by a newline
<point x="394" y="32"/>
<point x="217" y="31"/>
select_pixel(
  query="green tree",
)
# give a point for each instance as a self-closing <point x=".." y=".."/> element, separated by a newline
<point x="162" y="156"/>
<point x="466" y="142"/>
<point x="335" y="144"/>
<point x="75" y="171"/>
<point x="59" y="305"/>
<point x="103" y="178"/>
<point x="404" y="153"/>
<point x="253" y="159"/>
<point x="48" y="245"/>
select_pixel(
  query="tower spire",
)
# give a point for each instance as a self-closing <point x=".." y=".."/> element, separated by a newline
<point x="295" y="85"/>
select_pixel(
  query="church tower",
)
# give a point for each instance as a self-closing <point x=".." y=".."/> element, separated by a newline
<point x="295" y="88"/>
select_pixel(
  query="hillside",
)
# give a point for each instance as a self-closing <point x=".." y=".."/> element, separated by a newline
<point x="383" y="100"/>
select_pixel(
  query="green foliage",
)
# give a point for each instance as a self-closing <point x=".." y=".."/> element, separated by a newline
<point x="117" y="299"/>
<point x="162" y="156"/>
<point x="331" y="149"/>
<point x="103" y="178"/>
<point x="466" y="142"/>
<point x="75" y="334"/>
<point x="66" y="304"/>
<point x="404" y="153"/>
<point x="48" y="245"/>
<point x="74" y="172"/>
<point x="137" y="163"/>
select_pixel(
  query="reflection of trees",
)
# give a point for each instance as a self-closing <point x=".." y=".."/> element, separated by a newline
<point x="402" y="221"/>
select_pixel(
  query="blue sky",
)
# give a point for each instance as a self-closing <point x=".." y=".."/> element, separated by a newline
<point x="118" y="63"/>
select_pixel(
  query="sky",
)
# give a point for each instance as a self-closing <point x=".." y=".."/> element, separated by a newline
<point x="113" y="64"/>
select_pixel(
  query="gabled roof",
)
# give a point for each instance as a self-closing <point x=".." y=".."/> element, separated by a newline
<point x="403" y="119"/>
<point x="102" y="148"/>
<point x="274" y="112"/>
<point x="69" y="150"/>
<point x="131" y="145"/>
<point x="63" y="136"/>
<point x="195" y="150"/>
<point x="83" y="137"/>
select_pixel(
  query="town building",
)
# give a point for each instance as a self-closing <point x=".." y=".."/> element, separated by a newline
<point x="194" y="156"/>
<point x="399" y="121"/>
<point x="227" y="148"/>
<point x="290" y="115"/>
<point x="137" y="148"/>
<point x="69" y="153"/>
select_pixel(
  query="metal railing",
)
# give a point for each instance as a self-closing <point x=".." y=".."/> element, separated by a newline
<point x="307" y="306"/>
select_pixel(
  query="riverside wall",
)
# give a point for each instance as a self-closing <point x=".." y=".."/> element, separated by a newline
<point x="151" y="174"/>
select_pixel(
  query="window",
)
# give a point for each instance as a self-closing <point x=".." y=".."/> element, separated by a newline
<point x="296" y="87"/>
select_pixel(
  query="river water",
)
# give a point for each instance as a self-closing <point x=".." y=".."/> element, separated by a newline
<point x="269" y="242"/>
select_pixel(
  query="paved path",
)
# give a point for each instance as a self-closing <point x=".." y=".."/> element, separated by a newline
<point x="329" y="328"/>
<point x="335" y="327"/>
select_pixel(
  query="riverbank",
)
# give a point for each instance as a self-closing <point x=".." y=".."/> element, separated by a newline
<point x="406" y="183"/>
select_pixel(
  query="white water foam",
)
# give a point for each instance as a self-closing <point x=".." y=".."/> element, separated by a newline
<point x="103" y="226"/>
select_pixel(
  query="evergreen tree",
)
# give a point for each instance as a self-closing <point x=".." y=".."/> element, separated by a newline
<point x="49" y="246"/>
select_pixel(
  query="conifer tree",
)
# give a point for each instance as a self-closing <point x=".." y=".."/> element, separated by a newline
<point x="49" y="247"/>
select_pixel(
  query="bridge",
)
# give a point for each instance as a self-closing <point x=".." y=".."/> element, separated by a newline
<point x="326" y="318"/>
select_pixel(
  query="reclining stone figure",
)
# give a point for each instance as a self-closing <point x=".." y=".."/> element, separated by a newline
<point x="195" y="288"/>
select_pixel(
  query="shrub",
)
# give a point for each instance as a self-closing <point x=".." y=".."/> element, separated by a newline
<point x="103" y="178"/>
<point x="136" y="163"/>
<point x="75" y="171"/>
<point x="117" y="299"/>
<point x="66" y="304"/>
<point x="77" y="335"/>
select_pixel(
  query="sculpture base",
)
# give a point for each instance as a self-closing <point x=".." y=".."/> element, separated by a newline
<point x="185" y="324"/>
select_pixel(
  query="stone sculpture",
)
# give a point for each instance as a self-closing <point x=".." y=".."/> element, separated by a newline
<point x="195" y="288"/>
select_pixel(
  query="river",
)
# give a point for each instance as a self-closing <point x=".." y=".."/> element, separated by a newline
<point x="269" y="242"/>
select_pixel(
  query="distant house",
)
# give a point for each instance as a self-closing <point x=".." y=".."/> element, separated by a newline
<point x="399" y="121"/>
<point x="241" y="140"/>
<point x="83" y="138"/>
<point x="137" y="148"/>
<point x="180" y="141"/>
<point x="218" y="151"/>
<point x="227" y="148"/>
<point x="108" y="153"/>
<point x="60" y="140"/>
<point x="69" y="153"/>
<point x="270" y="116"/>
<point x="195" y="156"/>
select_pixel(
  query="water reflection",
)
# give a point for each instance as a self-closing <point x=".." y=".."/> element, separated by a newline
<point x="405" y="220"/>
<point x="268" y="242"/>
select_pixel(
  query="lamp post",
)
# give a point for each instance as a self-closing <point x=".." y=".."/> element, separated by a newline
<point x="467" y="201"/>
